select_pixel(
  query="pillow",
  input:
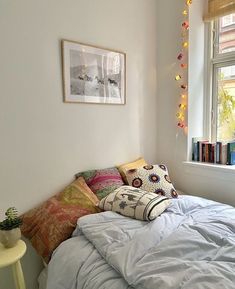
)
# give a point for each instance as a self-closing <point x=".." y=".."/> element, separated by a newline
<point x="135" y="203"/>
<point x="54" y="221"/>
<point x="153" y="179"/>
<point x="102" y="182"/>
<point x="128" y="166"/>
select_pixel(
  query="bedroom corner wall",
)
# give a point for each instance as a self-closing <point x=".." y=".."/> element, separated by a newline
<point x="44" y="141"/>
<point x="173" y="147"/>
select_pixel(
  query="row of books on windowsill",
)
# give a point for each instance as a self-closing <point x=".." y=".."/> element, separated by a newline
<point x="217" y="153"/>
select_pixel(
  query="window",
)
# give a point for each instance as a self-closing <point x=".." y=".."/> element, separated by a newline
<point x="228" y="20"/>
<point x="223" y="79"/>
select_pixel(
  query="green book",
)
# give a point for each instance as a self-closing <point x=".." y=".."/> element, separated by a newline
<point x="230" y="150"/>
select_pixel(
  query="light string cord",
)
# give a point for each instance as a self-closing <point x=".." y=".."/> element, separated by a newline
<point x="182" y="77"/>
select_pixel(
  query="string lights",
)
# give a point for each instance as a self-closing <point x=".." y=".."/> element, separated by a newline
<point x="181" y="76"/>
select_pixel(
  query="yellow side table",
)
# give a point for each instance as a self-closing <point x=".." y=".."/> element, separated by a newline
<point x="12" y="256"/>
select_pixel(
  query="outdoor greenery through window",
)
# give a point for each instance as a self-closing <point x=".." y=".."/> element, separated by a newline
<point x="223" y="91"/>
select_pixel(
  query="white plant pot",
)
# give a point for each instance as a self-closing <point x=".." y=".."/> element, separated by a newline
<point x="10" y="238"/>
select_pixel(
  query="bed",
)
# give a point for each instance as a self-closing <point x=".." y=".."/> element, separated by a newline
<point x="190" y="246"/>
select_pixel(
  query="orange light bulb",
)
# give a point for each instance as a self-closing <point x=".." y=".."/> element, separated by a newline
<point x="183" y="65"/>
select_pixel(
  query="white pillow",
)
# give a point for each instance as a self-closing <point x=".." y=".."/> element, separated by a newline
<point x="135" y="203"/>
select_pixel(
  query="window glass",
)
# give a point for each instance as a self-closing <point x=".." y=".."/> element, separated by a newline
<point x="226" y="103"/>
<point x="226" y="33"/>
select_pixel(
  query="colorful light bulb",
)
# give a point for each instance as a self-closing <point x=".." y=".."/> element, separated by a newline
<point x="182" y="106"/>
<point x="185" y="25"/>
<point x="184" y="86"/>
<point x="180" y="124"/>
<point x="177" y="77"/>
<point x="180" y="56"/>
<point x="180" y="115"/>
<point x="183" y="65"/>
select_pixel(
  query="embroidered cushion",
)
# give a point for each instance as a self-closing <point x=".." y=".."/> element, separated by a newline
<point x="128" y="166"/>
<point x="153" y="179"/>
<point x="54" y="221"/>
<point x="135" y="203"/>
<point x="102" y="182"/>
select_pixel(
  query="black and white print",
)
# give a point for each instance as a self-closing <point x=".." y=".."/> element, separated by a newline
<point x="93" y="74"/>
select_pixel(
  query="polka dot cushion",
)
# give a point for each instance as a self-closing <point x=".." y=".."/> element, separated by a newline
<point x="154" y="179"/>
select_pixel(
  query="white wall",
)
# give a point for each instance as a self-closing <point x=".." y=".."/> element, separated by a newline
<point x="44" y="141"/>
<point x="172" y="142"/>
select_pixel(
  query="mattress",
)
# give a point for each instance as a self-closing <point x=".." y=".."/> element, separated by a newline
<point x="42" y="279"/>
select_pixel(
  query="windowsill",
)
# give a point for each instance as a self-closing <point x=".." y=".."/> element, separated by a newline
<point x="222" y="172"/>
<point x="211" y="166"/>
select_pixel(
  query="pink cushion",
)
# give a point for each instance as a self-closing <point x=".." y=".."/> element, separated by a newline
<point x="102" y="182"/>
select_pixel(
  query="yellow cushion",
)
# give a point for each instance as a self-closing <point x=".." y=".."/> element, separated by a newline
<point x="132" y="165"/>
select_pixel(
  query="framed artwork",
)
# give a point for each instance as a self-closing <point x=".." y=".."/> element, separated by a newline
<point x="92" y="74"/>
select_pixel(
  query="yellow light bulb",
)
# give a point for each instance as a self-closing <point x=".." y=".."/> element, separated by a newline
<point x="182" y="106"/>
<point x="180" y="115"/>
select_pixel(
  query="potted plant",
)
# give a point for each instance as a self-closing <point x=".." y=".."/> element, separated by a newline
<point x="9" y="228"/>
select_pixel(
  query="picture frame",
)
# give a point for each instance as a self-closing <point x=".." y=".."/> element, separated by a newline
<point x="93" y="74"/>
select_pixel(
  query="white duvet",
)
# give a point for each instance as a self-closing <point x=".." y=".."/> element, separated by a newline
<point x="190" y="246"/>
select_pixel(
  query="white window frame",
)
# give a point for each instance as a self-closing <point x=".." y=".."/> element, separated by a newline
<point x="214" y="61"/>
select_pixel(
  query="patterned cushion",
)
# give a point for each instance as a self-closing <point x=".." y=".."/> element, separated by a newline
<point x="153" y="179"/>
<point x="128" y="166"/>
<point x="54" y="221"/>
<point x="135" y="203"/>
<point x="102" y="182"/>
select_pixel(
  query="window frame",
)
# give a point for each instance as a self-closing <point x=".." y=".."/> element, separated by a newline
<point x="215" y="60"/>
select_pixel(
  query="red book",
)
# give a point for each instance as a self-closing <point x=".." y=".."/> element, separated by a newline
<point x="202" y="150"/>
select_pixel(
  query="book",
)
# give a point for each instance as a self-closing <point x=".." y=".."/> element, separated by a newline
<point x="230" y="150"/>
<point x="218" y="152"/>
<point x="224" y="154"/>
<point x="202" y="151"/>
<point x="232" y="158"/>
<point x="195" y="148"/>
<point x="212" y="153"/>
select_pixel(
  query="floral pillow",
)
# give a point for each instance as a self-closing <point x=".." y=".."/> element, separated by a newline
<point x="135" y="203"/>
<point x="102" y="182"/>
<point x="153" y="179"/>
<point x="49" y="224"/>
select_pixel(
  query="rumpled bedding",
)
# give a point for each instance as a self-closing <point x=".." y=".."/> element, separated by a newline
<point x="190" y="246"/>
